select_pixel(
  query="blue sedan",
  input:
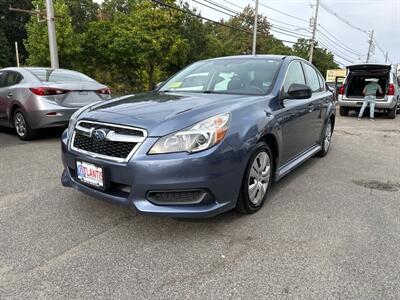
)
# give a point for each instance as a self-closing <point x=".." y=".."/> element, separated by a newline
<point x="212" y="138"/>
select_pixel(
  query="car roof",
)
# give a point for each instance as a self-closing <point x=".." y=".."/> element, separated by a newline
<point x="34" y="68"/>
<point x="258" y="56"/>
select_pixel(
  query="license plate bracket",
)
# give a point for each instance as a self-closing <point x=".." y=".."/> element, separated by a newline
<point x="90" y="174"/>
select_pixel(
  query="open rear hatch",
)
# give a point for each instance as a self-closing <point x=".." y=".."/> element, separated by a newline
<point x="360" y="74"/>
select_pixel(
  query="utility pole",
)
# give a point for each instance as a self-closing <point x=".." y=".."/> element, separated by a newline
<point x="371" y="41"/>
<point x="386" y="57"/>
<point x="17" y="53"/>
<point x="314" y="20"/>
<point x="51" y="28"/>
<point x="49" y="14"/>
<point x="255" y="28"/>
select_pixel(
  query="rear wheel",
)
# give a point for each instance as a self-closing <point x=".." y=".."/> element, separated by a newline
<point x="392" y="113"/>
<point x="257" y="180"/>
<point x="326" y="142"/>
<point x="344" y="111"/>
<point x="22" y="128"/>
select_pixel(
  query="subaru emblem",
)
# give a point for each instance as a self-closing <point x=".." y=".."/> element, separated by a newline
<point x="99" y="135"/>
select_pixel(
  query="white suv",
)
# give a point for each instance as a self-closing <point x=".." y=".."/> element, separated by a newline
<point x="350" y="96"/>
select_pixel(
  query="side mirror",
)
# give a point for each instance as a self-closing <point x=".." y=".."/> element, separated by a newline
<point x="159" y="84"/>
<point x="299" y="91"/>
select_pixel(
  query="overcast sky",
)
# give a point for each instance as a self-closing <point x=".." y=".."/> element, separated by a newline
<point x="382" y="16"/>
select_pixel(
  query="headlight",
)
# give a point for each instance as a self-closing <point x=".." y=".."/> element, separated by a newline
<point x="198" y="137"/>
<point x="74" y="118"/>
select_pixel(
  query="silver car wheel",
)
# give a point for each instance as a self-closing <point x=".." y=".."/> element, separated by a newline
<point x="328" y="136"/>
<point x="20" y="124"/>
<point x="258" y="182"/>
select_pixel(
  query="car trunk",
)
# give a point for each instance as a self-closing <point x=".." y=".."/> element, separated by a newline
<point x="78" y="95"/>
<point x="360" y="74"/>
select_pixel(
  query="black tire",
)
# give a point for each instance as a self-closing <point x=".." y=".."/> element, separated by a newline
<point x="391" y="114"/>
<point x="326" y="146"/>
<point x="19" y="121"/>
<point x="344" y="111"/>
<point x="244" y="204"/>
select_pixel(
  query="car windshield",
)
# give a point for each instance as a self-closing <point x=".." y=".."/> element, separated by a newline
<point x="226" y="76"/>
<point x="58" y="75"/>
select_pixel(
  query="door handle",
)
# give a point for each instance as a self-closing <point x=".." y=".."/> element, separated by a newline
<point x="310" y="107"/>
<point x="9" y="95"/>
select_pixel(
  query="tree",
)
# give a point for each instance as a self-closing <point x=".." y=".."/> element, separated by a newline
<point x="12" y="29"/>
<point x="37" y="42"/>
<point x="322" y="59"/>
<point x="82" y="12"/>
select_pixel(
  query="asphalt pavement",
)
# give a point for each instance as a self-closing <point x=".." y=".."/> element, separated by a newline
<point x="331" y="230"/>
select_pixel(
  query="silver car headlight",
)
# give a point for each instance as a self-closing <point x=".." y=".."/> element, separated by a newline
<point x="199" y="137"/>
<point x="74" y="118"/>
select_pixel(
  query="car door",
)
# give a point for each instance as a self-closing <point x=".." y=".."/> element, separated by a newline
<point x="319" y="101"/>
<point x="294" y="117"/>
<point x="3" y="98"/>
<point x="7" y="92"/>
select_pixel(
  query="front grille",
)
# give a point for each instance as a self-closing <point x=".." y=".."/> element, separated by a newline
<point x="117" y="142"/>
<point x="108" y="148"/>
<point x="119" y="130"/>
<point x="176" y="197"/>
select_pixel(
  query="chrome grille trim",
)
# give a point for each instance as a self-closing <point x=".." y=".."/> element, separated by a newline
<point x="111" y="136"/>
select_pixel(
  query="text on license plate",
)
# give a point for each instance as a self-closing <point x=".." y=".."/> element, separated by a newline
<point x="90" y="174"/>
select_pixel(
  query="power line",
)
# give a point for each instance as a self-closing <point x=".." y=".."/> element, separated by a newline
<point x="198" y="16"/>
<point x="342" y="19"/>
<point x="213" y="8"/>
<point x="337" y="41"/>
<point x="333" y="44"/>
<point x="210" y="20"/>
<point x="222" y="7"/>
<point x="333" y="52"/>
<point x="283" y="13"/>
<point x="233" y="4"/>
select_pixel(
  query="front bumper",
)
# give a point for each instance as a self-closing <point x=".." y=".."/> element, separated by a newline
<point x="218" y="171"/>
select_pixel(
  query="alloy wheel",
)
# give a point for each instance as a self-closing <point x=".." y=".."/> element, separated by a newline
<point x="259" y="176"/>
<point x="328" y="136"/>
<point x="20" y="124"/>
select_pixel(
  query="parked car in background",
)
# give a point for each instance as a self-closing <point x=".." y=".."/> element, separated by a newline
<point x="196" y="148"/>
<point x="34" y="98"/>
<point x="351" y="92"/>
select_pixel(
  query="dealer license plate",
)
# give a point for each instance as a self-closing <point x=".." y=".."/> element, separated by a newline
<point x="90" y="174"/>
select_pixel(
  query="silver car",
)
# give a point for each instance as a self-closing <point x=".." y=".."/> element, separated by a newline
<point x="351" y="92"/>
<point x="33" y="98"/>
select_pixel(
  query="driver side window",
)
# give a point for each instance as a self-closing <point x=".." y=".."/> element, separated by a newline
<point x="294" y="74"/>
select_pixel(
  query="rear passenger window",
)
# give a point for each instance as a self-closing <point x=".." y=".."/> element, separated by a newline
<point x="12" y="78"/>
<point x="312" y="78"/>
<point x="294" y="75"/>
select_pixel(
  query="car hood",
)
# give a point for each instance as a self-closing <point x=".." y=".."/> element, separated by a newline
<point x="162" y="113"/>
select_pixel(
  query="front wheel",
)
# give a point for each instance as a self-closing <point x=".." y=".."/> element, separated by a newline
<point x="22" y="128"/>
<point x="257" y="180"/>
<point x="326" y="142"/>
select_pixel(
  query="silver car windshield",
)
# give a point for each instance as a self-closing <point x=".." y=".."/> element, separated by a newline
<point x="226" y="76"/>
<point x="59" y="75"/>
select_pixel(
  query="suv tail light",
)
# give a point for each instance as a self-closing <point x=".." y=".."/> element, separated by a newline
<point x="105" y="91"/>
<point x="391" y="89"/>
<point x="46" y="91"/>
<point x="341" y="90"/>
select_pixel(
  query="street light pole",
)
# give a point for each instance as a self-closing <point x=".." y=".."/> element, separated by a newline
<point x="314" y="30"/>
<point x="52" y="34"/>
<point x="255" y="28"/>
